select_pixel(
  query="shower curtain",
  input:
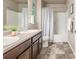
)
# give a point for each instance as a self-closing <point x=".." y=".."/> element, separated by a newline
<point x="47" y="23"/>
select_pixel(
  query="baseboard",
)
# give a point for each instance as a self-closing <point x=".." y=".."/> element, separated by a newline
<point x="71" y="48"/>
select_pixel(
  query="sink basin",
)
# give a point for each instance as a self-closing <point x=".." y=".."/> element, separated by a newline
<point x="9" y="40"/>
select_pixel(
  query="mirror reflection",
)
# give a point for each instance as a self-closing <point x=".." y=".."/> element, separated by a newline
<point x="15" y="14"/>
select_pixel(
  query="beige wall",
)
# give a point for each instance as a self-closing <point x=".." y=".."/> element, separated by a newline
<point x="12" y="5"/>
<point x="71" y="36"/>
<point x="4" y="11"/>
<point x="38" y="13"/>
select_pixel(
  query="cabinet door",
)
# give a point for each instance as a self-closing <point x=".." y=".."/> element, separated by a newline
<point x="16" y="51"/>
<point x="25" y="55"/>
<point x="40" y="44"/>
<point x="35" y="50"/>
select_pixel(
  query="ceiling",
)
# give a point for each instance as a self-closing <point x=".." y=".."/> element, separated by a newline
<point x="45" y="1"/>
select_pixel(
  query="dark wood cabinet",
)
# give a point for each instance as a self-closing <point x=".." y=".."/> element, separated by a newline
<point x="40" y="44"/>
<point x="16" y="51"/>
<point x="26" y="54"/>
<point x="35" y="50"/>
<point x="26" y="50"/>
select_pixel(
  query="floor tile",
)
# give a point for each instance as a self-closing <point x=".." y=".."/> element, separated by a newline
<point x="57" y="51"/>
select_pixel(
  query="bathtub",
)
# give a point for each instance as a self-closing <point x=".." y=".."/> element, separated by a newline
<point x="60" y="38"/>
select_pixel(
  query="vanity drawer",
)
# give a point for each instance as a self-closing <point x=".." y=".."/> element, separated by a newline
<point x="36" y="37"/>
<point x="17" y="50"/>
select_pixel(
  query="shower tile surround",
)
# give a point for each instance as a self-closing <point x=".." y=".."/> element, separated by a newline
<point x="57" y="51"/>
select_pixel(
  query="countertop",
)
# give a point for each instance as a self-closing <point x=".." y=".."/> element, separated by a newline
<point x="23" y="37"/>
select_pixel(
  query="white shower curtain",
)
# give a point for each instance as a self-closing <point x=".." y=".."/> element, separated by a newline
<point x="47" y="23"/>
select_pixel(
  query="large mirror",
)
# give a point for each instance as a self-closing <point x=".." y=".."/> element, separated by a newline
<point x="15" y="13"/>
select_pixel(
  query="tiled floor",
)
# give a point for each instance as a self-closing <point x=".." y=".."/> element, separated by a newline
<point x="57" y="51"/>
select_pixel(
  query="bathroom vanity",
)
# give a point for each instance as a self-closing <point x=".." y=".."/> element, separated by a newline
<point x="28" y="48"/>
